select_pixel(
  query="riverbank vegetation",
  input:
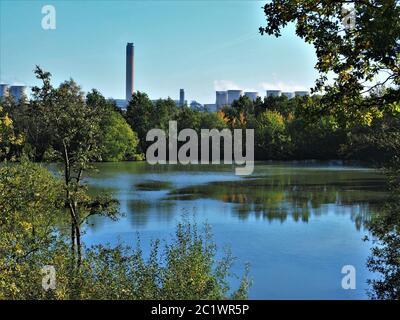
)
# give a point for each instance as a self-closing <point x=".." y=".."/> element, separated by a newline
<point x="32" y="204"/>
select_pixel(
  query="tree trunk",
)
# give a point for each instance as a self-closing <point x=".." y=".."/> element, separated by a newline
<point x="72" y="238"/>
<point x="78" y="245"/>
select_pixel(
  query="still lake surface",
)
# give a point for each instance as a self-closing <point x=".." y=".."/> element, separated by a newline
<point x="296" y="223"/>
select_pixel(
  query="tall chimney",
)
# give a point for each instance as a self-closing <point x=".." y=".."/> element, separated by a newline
<point x="129" y="71"/>
<point x="181" y="97"/>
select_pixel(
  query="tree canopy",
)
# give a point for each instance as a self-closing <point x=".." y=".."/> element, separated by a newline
<point x="357" y="42"/>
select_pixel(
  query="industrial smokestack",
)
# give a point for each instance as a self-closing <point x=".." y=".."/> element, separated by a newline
<point x="129" y="71"/>
<point x="181" y="97"/>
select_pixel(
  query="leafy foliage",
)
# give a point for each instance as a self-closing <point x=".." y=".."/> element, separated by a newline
<point x="72" y="127"/>
<point x="362" y="54"/>
<point x="385" y="255"/>
<point x="119" y="141"/>
<point x="30" y="203"/>
<point x="8" y="138"/>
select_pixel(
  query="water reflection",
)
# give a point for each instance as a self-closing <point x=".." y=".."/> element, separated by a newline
<point x="299" y="197"/>
<point x="285" y="219"/>
<point x="140" y="210"/>
<point x="274" y="193"/>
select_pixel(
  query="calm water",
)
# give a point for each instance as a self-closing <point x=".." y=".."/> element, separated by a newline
<point x="296" y="224"/>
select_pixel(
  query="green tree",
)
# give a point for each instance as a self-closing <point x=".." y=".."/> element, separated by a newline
<point x="211" y="120"/>
<point x="73" y="129"/>
<point x="8" y="137"/>
<point x="119" y="142"/>
<point x="165" y="110"/>
<point x="239" y="113"/>
<point x="30" y="203"/>
<point x="140" y="115"/>
<point x="272" y="141"/>
<point x="384" y="260"/>
<point x="188" y="118"/>
<point x="364" y="51"/>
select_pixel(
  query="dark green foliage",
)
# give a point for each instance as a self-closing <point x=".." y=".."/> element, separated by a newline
<point x="364" y="50"/>
<point x="141" y="115"/>
<point x="385" y="255"/>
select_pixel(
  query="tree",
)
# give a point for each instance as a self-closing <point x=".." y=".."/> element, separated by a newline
<point x="30" y="203"/>
<point x="8" y="138"/>
<point x="272" y="140"/>
<point x="211" y="120"/>
<point x="140" y="115"/>
<point x="237" y="115"/>
<point x="185" y="268"/>
<point x="73" y="129"/>
<point x="119" y="142"/>
<point x="188" y="118"/>
<point x="164" y="111"/>
<point x="358" y="53"/>
<point x="384" y="260"/>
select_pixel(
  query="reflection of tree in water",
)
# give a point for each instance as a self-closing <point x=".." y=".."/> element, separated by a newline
<point x="297" y="197"/>
<point x="139" y="211"/>
<point x="385" y="255"/>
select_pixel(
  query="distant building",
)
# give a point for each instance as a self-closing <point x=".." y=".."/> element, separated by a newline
<point x="181" y="97"/>
<point x="252" y="95"/>
<point x="3" y="90"/>
<point x="17" y="91"/>
<point x="289" y="95"/>
<point x="221" y="99"/>
<point x="301" y="93"/>
<point x="274" y="93"/>
<point x="234" y="95"/>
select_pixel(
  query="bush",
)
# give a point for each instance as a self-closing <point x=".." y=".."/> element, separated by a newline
<point x="184" y="269"/>
<point x="32" y="237"/>
<point x="29" y="203"/>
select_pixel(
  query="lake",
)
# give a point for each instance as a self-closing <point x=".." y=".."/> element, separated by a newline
<point x="296" y="223"/>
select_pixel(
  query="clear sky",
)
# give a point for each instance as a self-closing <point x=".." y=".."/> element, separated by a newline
<point x="198" y="45"/>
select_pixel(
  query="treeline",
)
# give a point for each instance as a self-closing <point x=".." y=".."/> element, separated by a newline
<point x="285" y="129"/>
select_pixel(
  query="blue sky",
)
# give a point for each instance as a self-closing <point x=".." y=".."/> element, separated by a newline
<point x="199" y="45"/>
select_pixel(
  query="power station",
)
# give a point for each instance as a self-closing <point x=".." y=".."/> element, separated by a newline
<point x="15" y="91"/>
<point x="252" y="95"/>
<point x="274" y="93"/>
<point x="234" y="95"/>
<point x="181" y="97"/>
<point x="129" y="71"/>
<point x="223" y="98"/>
